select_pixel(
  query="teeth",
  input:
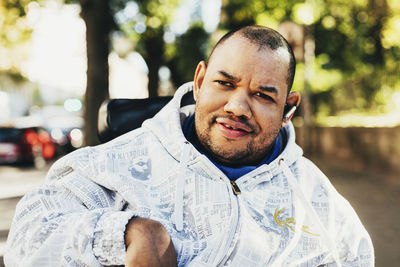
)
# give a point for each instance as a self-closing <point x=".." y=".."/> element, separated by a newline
<point x="227" y="126"/>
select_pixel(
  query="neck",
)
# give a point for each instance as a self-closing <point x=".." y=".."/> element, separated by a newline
<point x="239" y="168"/>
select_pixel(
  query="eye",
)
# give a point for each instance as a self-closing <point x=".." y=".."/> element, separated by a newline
<point x="264" y="96"/>
<point x="224" y="83"/>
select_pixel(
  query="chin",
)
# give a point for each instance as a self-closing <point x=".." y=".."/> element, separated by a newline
<point x="226" y="158"/>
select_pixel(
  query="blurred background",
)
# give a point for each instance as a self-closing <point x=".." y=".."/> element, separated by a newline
<point x="60" y="59"/>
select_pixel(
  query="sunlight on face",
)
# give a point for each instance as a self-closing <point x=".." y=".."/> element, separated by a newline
<point x="240" y="98"/>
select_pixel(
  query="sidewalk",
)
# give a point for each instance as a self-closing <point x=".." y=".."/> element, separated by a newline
<point x="14" y="183"/>
<point x="7" y="208"/>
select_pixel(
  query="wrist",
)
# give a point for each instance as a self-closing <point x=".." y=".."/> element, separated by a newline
<point x="128" y="229"/>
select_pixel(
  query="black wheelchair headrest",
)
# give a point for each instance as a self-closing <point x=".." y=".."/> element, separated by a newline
<point x="119" y="116"/>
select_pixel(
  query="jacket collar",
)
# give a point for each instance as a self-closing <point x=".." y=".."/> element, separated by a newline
<point x="167" y="127"/>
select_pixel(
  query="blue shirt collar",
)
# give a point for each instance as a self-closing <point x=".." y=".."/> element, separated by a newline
<point x="233" y="172"/>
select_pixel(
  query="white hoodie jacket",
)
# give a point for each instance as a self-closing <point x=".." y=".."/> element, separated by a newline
<point x="286" y="213"/>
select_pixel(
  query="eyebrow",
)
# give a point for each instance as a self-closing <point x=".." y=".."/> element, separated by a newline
<point x="270" y="89"/>
<point x="229" y="76"/>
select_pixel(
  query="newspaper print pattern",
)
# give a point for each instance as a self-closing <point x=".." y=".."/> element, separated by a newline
<point x="78" y="217"/>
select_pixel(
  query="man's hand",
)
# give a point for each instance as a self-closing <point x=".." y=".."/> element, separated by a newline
<point x="148" y="244"/>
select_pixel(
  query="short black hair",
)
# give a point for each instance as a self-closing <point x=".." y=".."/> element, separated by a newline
<point x="264" y="37"/>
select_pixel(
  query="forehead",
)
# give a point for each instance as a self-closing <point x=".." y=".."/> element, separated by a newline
<point x="241" y="57"/>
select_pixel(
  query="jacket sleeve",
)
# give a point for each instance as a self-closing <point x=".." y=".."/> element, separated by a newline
<point x="352" y="241"/>
<point x="70" y="221"/>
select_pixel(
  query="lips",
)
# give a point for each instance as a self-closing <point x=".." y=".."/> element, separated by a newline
<point x="232" y="129"/>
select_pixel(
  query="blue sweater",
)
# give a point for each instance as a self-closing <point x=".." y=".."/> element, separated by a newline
<point x="233" y="172"/>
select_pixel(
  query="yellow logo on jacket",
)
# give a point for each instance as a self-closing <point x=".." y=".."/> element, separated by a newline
<point x="289" y="222"/>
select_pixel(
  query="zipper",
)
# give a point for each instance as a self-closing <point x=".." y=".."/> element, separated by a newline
<point x="222" y="256"/>
<point x="235" y="188"/>
<point x="235" y="214"/>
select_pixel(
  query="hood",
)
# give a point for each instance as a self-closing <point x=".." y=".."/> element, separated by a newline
<point x="167" y="126"/>
<point x="167" y="123"/>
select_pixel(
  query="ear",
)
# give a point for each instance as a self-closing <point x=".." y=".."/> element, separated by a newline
<point x="293" y="100"/>
<point x="198" y="78"/>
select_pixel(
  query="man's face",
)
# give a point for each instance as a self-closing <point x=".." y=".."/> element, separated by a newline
<point x="240" y="97"/>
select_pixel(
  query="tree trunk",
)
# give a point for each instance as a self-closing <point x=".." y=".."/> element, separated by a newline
<point x="154" y="46"/>
<point x="98" y="20"/>
<point x="153" y="65"/>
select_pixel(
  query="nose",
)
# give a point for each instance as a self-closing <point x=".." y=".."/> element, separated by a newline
<point x="238" y="105"/>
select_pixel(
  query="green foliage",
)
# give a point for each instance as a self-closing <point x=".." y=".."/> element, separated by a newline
<point x="15" y="33"/>
<point x="190" y="49"/>
<point x="14" y="29"/>
<point x="13" y="75"/>
<point x="148" y="23"/>
<point x="357" y="48"/>
<point x="147" y="30"/>
<point x="350" y="34"/>
<point x="357" y="43"/>
<point x="237" y="13"/>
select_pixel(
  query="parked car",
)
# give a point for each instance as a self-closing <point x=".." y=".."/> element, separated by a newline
<point x="25" y="145"/>
<point x="66" y="132"/>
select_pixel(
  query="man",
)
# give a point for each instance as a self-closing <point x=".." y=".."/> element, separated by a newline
<point x="220" y="183"/>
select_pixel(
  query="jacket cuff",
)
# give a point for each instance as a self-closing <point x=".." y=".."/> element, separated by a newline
<point x="109" y="237"/>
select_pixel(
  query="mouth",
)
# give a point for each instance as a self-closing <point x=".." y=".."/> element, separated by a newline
<point x="232" y="129"/>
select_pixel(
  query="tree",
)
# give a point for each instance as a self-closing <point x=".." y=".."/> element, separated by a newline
<point x="357" y="51"/>
<point x="146" y="30"/>
<point x="189" y="49"/>
<point x="154" y="16"/>
<point x="99" y="20"/>
<point x="99" y="23"/>
<point x="14" y="35"/>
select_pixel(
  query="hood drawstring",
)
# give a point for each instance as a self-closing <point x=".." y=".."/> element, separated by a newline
<point x="310" y="210"/>
<point x="180" y="183"/>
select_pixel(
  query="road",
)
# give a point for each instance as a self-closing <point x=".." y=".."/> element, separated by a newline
<point x="375" y="195"/>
